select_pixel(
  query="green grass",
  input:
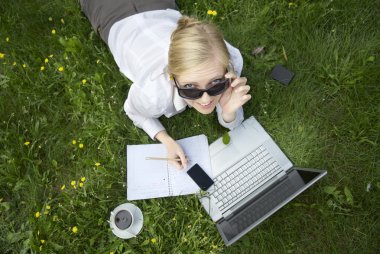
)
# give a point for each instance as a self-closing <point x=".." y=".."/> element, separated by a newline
<point x="327" y="118"/>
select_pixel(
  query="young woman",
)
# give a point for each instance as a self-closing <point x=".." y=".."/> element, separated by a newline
<point x="173" y="61"/>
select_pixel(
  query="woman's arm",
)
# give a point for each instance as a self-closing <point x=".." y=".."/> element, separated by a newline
<point x="138" y="110"/>
<point x="143" y="112"/>
<point x="174" y="150"/>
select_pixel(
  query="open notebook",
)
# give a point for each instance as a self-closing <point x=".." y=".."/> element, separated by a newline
<point x="155" y="179"/>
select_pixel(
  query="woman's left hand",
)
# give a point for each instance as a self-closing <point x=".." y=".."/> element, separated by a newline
<point x="235" y="96"/>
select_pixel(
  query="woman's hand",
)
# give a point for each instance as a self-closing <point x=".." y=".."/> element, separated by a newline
<point x="173" y="149"/>
<point x="234" y="97"/>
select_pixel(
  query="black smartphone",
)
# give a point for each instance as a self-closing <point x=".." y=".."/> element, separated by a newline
<point x="200" y="177"/>
<point x="282" y="75"/>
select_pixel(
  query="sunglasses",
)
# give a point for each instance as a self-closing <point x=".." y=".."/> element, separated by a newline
<point x="218" y="87"/>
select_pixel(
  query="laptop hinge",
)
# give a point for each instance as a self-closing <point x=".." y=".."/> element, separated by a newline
<point x="227" y="214"/>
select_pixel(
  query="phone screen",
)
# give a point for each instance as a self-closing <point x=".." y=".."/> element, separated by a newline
<point x="200" y="177"/>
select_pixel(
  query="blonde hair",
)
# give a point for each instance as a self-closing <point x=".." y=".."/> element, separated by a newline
<point x="194" y="44"/>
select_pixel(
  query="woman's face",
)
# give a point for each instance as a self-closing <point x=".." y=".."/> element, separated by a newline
<point x="203" y="79"/>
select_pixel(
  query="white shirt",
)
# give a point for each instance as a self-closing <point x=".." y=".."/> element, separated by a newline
<point x="140" y="46"/>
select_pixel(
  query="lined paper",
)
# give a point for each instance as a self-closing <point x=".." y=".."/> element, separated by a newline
<point x="155" y="179"/>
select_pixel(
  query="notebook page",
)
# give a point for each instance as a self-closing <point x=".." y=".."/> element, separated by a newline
<point x="146" y="178"/>
<point x="196" y="149"/>
<point x="154" y="178"/>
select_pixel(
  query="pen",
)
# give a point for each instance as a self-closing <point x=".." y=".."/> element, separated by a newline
<point x="163" y="159"/>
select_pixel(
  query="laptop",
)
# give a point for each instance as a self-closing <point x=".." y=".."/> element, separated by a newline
<point x="253" y="179"/>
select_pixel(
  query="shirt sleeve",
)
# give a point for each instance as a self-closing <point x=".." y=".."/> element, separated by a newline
<point x="236" y="59"/>
<point x="143" y="112"/>
<point x="235" y="123"/>
<point x="237" y="64"/>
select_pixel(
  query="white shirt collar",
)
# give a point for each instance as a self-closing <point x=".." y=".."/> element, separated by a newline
<point x="178" y="102"/>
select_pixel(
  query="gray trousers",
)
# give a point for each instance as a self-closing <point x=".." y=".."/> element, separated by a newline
<point x="102" y="14"/>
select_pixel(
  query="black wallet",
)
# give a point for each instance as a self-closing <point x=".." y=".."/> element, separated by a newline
<point x="282" y="75"/>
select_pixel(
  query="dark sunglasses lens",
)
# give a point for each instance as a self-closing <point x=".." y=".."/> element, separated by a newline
<point x="190" y="93"/>
<point x="219" y="88"/>
<point x="212" y="91"/>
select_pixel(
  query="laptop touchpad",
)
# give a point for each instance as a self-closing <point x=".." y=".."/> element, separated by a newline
<point x="224" y="159"/>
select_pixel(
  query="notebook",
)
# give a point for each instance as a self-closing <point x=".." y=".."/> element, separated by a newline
<point x="157" y="178"/>
<point x="253" y="179"/>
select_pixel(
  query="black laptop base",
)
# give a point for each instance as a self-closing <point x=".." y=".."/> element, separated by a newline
<point x="264" y="205"/>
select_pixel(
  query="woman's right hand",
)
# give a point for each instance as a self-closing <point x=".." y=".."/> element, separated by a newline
<point x="173" y="149"/>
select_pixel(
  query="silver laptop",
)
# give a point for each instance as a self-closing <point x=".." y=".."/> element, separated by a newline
<point x="253" y="179"/>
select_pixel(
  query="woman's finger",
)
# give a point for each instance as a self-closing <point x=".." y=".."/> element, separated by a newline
<point x="176" y="164"/>
<point x="247" y="97"/>
<point x="243" y="89"/>
<point x="239" y="81"/>
<point x="244" y="99"/>
<point x="230" y="75"/>
<point x="183" y="160"/>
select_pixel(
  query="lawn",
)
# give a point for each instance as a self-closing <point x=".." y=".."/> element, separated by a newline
<point x="63" y="131"/>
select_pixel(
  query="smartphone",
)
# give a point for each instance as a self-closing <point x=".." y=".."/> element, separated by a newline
<point x="282" y="75"/>
<point x="200" y="177"/>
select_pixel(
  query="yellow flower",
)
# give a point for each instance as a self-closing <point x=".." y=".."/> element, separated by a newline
<point x="212" y="12"/>
<point x="75" y="230"/>
<point x="81" y="145"/>
<point x="83" y="179"/>
<point x="60" y="69"/>
<point x="27" y="143"/>
<point x="73" y="183"/>
<point x="111" y="252"/>
<point x="2" y="55"/>
<point x="97" y="164"/>
<point x="37" y="215"/>
<point x="48" y="207"/>
<point x="24" y="65"/>
<point x="7" y="39"/>
<point x="81" y="184"/>
<point x="63" y="187"/>
<point x="98" y="61"/>
<point x="42" y="68"/>
<point x="153" y="240"/>
<point x="46" y="60"/>
<point x="73" y="142"/>
<point x="51" y="56"/>
<point x="50" y="19"/>
<point x="62" y="21"/>
<point x="53" y="31"/>
<point x="42" y="241"/>
<point x="84" y="81"/>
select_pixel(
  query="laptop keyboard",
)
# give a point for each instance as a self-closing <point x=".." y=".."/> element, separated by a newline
<point x="241" y="179"/>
